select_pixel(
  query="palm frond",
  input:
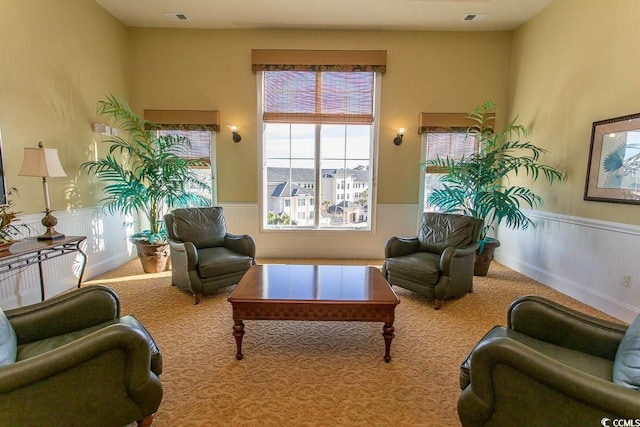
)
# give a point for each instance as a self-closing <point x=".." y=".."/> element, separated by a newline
<point x="144" y="173"/>
<point x="478" y="184"/>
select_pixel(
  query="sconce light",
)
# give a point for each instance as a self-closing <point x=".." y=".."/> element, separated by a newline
<point x="398" y="139"/>
<point x="45" y="163"/>
<point x="235" y="135"/>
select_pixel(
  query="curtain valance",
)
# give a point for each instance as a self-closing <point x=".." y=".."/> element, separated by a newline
<point x="443" y="122"/>
<point x="208" y="120"/>
<point x="318" y="60"/>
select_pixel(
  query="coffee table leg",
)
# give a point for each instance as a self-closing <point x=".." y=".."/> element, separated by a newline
<point x="238" y="332"/>
<point x="388" y="334"/>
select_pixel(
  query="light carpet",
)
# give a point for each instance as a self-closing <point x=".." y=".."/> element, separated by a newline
<point x="315" y="373"/>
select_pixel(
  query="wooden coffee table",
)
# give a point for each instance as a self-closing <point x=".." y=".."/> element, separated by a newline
<point x="314" y="292"/>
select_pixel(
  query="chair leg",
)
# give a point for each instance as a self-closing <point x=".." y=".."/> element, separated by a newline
<point x="146" y="421"/>
<point x="196" y="298"/>
<point x="471" y="289"/>
<point x="438" y="303"/>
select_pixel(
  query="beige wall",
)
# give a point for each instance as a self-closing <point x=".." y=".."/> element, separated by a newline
<point x="211" y="69"/>
<point x="58" y="58"/>
<point x="575" y="63"/>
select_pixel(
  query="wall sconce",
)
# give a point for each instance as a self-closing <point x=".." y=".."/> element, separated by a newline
<point x="398" y="139"/>
<point x="45" y="163"/>
<point x="235" y="135"/>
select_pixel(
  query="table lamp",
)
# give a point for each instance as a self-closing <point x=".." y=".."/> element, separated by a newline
<point x="44" y="162"/>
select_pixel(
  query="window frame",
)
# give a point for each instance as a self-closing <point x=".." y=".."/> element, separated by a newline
<point x="373" y="157"/>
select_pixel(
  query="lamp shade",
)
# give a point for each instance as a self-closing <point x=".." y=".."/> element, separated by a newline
<point x="42" y="162"/>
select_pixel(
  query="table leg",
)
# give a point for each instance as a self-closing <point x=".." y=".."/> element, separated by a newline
<point x="84" y="263"/>
<point x="388" y="334"/>
<point x="238" y="333"/>
<point x="41" y="276"/>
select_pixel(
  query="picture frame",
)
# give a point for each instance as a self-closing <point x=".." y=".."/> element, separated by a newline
<point x="613" y="170"/>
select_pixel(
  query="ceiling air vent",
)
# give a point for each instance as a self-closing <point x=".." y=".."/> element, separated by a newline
<point x="174" y="16"/>
<point x="476" y="16"/>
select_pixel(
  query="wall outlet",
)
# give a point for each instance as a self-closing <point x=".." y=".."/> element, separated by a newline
<point x="625" y="280"/>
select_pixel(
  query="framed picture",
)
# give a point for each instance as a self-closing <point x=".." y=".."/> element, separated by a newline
<point x="613" y="171"/>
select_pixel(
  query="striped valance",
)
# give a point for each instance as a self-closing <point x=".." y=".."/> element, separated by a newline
<point x="443" y="122"/>
<point x="318" y="60"/>
<point x="205" y="120"/>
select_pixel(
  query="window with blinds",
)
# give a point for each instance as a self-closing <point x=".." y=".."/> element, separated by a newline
<point x="438" y="142"/>
<point x="200" y="148"/>
<point x="318" y="135"/>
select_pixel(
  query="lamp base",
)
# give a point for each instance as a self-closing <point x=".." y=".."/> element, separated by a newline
<point x="51" y="235"/>
<point x="50" y="221"/>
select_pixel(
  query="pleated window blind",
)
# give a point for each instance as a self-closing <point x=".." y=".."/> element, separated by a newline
<point x="322" y="97"/>
<point x="200" y="143"/>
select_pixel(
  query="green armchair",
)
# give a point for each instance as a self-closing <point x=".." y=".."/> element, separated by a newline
<point x="78" y="363"/>
<point x="550" y="366"/>
<point x="204" y="257"/>
<point x="438" y="263"/>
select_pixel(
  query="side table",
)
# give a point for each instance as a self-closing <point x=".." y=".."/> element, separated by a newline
<point x="31" y="251"/>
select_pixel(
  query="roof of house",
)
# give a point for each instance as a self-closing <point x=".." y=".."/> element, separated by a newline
<point x="275" y="174"/>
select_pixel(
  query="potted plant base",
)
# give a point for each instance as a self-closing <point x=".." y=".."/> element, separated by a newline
<point x="154" y="258"/>
<point x="484" y="258"/>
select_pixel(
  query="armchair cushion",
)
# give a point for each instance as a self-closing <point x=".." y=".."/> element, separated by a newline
<point x="204" y="227"/>
<point x="220" y="261"/>
<point x="626" y="366"/>
<point x="421" y="266"/>
<point x="438" y="232"/>
<point x="8" y="341"/>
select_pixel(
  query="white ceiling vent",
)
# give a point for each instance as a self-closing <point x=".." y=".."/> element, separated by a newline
<point x="175" y="16"/>
<point x="475" y="16"/>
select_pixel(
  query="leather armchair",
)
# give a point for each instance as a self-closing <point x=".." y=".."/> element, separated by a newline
<point x="438" y="263"/>
<point x="204" y="257"/>
<point x="550" y="366"/>
<point x="80" y="364"/>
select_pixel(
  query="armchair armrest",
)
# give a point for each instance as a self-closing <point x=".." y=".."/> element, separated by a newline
<point x="242" y="243"/>
<point x="113" y="362"/>
<point x="554" y="323"/>
<point x="185" y="253"/>
<point x="114" y="337"/>
<point x="68" y="312"/>
<point x="488" y="378"/>
<point x="452" y="252"/>
<point x="399" y="246"/>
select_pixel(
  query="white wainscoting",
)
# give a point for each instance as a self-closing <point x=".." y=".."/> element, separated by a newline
<point x="390" y="220"/>
<point x="583" y="258"/>
<point x="106" y="247"/>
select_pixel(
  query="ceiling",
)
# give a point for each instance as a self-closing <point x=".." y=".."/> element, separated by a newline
<point x="421" y="15"/>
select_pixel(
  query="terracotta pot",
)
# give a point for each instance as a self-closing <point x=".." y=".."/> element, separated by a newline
<point x="154" y="258"/>
<point x="484" y="258"/>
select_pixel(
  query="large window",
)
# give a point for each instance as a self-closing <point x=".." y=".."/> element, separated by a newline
<point x="318" y="144"/>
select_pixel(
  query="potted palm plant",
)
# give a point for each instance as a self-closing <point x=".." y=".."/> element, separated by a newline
<point x="478" y="185"/>
<point x="145" y="174"/>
